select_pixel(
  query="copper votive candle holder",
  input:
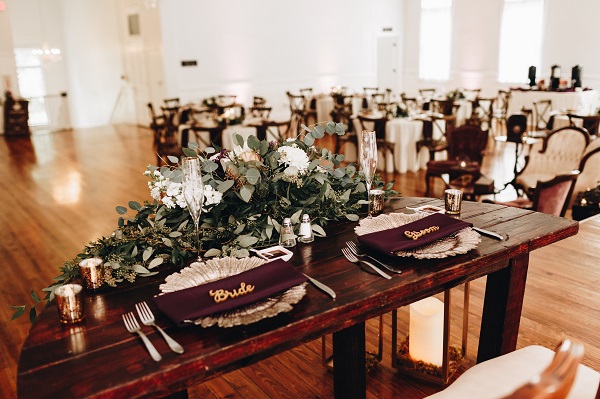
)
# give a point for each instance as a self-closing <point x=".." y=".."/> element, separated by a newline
<point x="377" y="198"/>
<point x="69" y="301"/>
<point x="91" y="272"/>
<point x="452" y="201"/>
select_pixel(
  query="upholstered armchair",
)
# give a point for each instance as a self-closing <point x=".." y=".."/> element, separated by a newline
<point x="558" y="153"/>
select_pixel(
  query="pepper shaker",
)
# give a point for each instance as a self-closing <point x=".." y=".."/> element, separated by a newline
<point x="287" y="238"/>
<point x="305" y="234"/>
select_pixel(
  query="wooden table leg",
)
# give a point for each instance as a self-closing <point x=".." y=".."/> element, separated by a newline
<point x="501" y="317"/>
<point x="349" y="369"/>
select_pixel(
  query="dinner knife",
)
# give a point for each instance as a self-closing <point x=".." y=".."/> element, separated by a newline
<point x="321" y="286"/>
<point x="488" y="233"/>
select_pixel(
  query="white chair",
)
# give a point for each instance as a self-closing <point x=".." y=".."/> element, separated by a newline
<point x="558" y="153"/>
<point x="531" y="372"/>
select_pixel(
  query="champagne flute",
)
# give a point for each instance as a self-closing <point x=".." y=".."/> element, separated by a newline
<point x="193" y="192"/>
<point x="368" y="161"/>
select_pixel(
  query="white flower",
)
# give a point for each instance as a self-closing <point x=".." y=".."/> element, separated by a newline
<point x="293" y="156"/>
<point x="211" y="196"/>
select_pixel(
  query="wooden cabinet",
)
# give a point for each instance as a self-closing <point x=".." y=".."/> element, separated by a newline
<point x="16" y="116"/>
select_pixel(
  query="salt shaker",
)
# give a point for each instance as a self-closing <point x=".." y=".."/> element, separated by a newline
<point x="305" y="235"/>
<point x="287" y="238"/>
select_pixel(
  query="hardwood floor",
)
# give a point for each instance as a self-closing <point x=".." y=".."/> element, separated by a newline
<point x="59" y="191"/>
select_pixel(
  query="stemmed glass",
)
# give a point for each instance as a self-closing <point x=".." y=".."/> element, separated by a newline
<point x="193" y="192"/>
<point x="368" y="161"/>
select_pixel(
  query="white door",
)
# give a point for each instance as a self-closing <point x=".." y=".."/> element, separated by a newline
<point x="387" y="63"/>
<point x="143" y="64"/>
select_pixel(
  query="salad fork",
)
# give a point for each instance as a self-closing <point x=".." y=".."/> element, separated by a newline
<point x="134" y="327"/>
<point x="147" y="318"/>
<point x="356" y="252"/>
<point x="354" y="259"/>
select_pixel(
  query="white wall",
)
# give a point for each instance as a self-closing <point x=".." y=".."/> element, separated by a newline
<point x="569" y="39"/>
<point x="8" y="71"/>
<point x="266" y="47"/>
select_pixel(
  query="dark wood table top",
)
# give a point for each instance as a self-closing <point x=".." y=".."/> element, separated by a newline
<point x="99" y="358"/>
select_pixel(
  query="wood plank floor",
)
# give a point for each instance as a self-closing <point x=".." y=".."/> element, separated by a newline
<point x="59" y="191"/>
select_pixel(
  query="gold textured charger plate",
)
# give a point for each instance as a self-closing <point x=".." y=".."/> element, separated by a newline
<point x="458" y="243"/>
<point x="216" y="269"/>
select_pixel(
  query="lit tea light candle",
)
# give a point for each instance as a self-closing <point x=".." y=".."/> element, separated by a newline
<point x="426" y="331"/>
<point x="69" y="303"/>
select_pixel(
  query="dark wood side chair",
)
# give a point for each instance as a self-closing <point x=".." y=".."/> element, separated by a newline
<point x="342" y="113"/>
<point x="466" y="148"/>
<point x="205" y="121"/>
<point x="310" y="109"/>
<point x="378" y="125"/>
<point x="297" y="103"/>
<point x="482" y="112"/>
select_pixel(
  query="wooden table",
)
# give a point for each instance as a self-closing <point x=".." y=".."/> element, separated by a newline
<point x="100" y="359"/>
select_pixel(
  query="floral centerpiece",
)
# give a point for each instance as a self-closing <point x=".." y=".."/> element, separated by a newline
<point x="248" y="192"/>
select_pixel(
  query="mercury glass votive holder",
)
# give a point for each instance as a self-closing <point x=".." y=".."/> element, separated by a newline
<point x="69" y="301"/>
<point x="452" y="201"/>
<point x="377" y="198"/>
<point x="91" y="272"/>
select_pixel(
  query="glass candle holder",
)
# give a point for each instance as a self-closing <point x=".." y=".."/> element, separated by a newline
<point x="91" y="272"/>
<point x="377" y="199"/>
<point x="452" y="201"/>
<point x="69" y="301"/>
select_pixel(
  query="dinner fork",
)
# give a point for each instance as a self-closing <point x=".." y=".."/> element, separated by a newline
<point x="354" y="259"/>
<point x="133" y="327"/>
<point x="356" y="252"/>
<point x="147" y="318"/>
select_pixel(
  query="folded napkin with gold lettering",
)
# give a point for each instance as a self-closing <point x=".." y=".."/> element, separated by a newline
<point x="230" y="292"/>
<point x="394" y="240"/>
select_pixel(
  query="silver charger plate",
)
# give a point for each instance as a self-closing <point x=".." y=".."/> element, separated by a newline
<point x="216" y="269"/>
<point x="460" y="242"/>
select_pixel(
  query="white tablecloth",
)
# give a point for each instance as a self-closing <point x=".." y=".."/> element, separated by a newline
<point x="405" y="133"/>
<point x="582" y="101"/>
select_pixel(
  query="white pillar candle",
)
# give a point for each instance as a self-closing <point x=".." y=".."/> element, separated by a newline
<point x="426" y="331"/>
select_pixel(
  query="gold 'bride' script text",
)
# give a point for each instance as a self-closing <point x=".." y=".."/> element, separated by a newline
<point x="417" y="234"/>
<point x="223" y="295"/>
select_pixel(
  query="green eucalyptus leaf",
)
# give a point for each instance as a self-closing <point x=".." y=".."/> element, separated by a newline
<point x="32" y="315"/>
<point x="209" y="150"/>
<point x="246" y="192"/>
<point x="239" y="229"/>
<point x="193" y="145"/>
<point x="318" y="132"/>
<point x="147" y="253"/>
<point x="35" y="297"/>
<point x="212" y="253"/>
<point x="19" y="312"/>
<point x="135" y="205"/>
<point x="172" y="159"/>
<point x="225" y="185"/>
<point x="175" y="234"/>
<point x="147" y="274"/>
<point x="253" y="175"/>
<point x="318" y="230"/>
<point x="291" y="171"/>
<point x="309" y="139"/>
<point x="209" y="166"/>
<point x="304" y="127"/>
<point x="139" y="269"/>
<point x="246" y="241"/>
<point x="253" y="142"/>
<point x="353" y="217"/>
<point x="134" y="251"/>
<point x="296" y="217"/>
<point x="189" y="152"/>
<point x="330" y="127"/>
<point x="167" y="241"/>
<point x="121" y="210"/>
<point x="238" y="140"/>
<point x="155" y="262"/>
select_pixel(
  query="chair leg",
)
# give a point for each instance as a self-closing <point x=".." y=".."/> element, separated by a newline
<point x="427" y="181"/>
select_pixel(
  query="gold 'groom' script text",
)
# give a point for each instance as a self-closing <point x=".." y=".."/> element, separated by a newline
<point x="223" y="295"/>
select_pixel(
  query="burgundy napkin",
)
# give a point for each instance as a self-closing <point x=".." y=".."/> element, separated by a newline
<point x="193" y="303"/>
<point x="394" y="240"/>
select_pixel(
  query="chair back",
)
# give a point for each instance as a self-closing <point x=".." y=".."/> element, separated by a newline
<point x="259" y="101"/>
<point x="557" y="379"/>
<point x="297" y="103"/>
<point x="172" y="102"/>
<point x="411" y="103"/>
<point x="589" y="168"/>
<point x="482" y="111"/>
<point x="471" y="94"/>
<point x="263" y="113"/>
<point x="553" y="196"/>
<point x="225" y="100"/>
<point x="373" y="123"/>
<point x="467" y="141"/>
<point x="516" y="127"/>
<point x="541" y="111"/>
<point x="444" y="107"/>
<point x="427" y="93"/>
